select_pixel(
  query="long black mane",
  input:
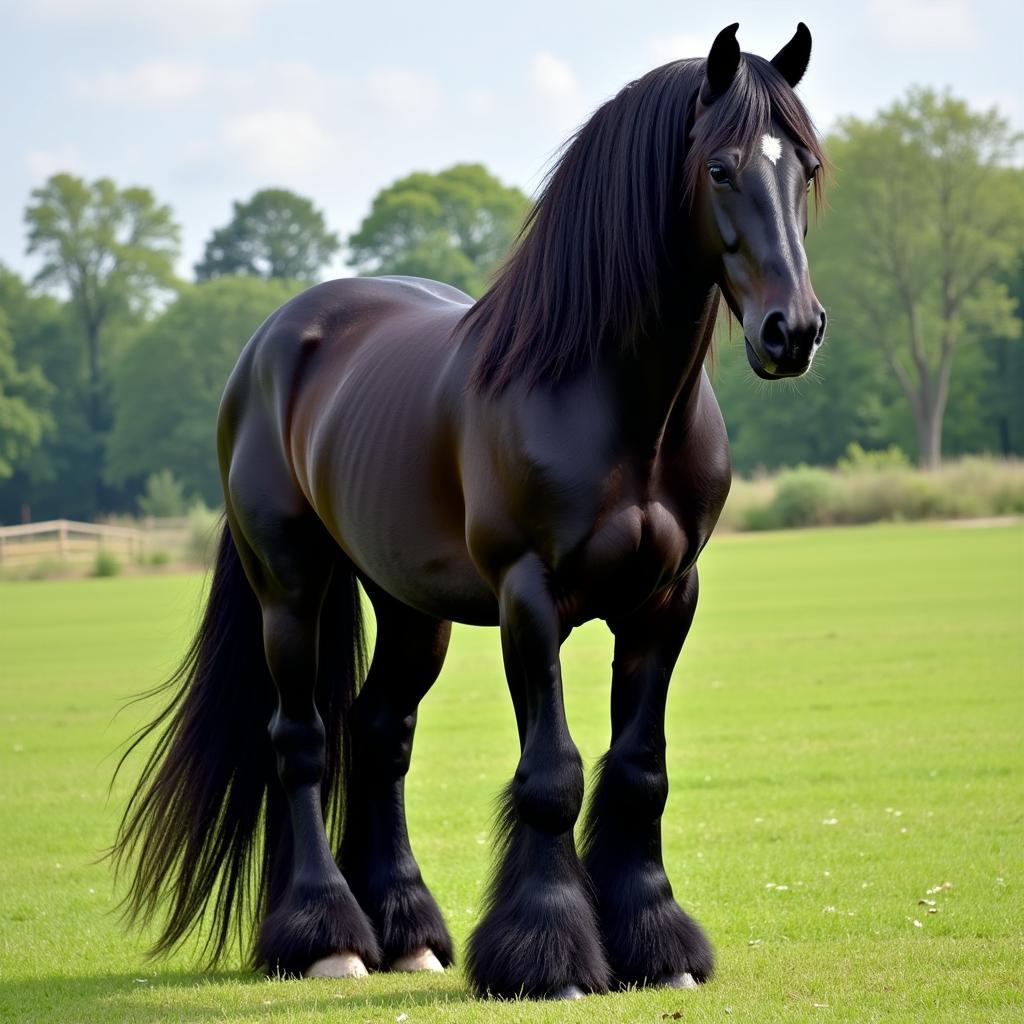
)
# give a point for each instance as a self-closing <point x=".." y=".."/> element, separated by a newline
<point x="600" y="248"/>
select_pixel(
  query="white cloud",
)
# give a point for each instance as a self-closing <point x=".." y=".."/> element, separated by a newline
<point x="208" y="18"/>
<point x="554" y="78"/>
<point x="403" y="91"/>
<point x="926" y="24"/>
<point x="678" y="45"/>
<point x="42" y="163"/>
<point x="480" y="102"/>
<point x="559" y="90"/>
<point x="153" y="82"/>
<point x="281" y="143"/>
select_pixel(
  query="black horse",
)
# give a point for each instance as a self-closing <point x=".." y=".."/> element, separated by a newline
<point x="548" y="455"/>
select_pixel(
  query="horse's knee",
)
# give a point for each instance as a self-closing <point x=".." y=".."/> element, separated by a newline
<point x="635" y="783"/>
<point x="547" y="790"/>
<point x="300" y="746"/>
<point x="382" y="741"/>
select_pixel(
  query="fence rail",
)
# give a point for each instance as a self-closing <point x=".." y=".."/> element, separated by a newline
<point x="66" y="539"/>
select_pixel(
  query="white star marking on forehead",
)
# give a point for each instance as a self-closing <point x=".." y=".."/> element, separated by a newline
<point x="771" y="147"/>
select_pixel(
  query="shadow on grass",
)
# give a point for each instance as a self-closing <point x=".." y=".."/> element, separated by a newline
<point x="194" y="996"/>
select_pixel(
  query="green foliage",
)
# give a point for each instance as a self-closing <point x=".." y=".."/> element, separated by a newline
<point x="925" y="225"/>
<point x="164" y="496"/>
<point x="276" y="234"/>
<point x="111" y="249"/>
<point x="24" y="395"/>
<point x="872" y="487"/>
<point x="106" y="564"/>
<point x="857" y="459"/>
<point x="167" y="388"/>
<point x="112" y="252"/>
<point x="455" y="226"/>
<point x="804" y="496"/>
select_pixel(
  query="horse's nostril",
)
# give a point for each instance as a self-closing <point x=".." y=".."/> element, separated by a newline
<point x="775" y="335"/>
<point x="820" y="336"/>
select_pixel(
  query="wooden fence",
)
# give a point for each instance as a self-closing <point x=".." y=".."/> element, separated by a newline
<point x="67" y="541"/>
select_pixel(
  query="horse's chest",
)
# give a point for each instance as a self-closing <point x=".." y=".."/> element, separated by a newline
<point x="635" y="551"/>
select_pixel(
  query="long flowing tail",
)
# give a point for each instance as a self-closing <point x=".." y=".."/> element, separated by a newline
<point x="207" y="823"/>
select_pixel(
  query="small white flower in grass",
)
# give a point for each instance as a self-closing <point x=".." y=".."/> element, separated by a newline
<point x="782" y="888"/>
<point x="999" y="881"/>
<point x="830" y="821"/>
<point x="401" y="1017"/>
<point x="828" y="874"/>
<point x="830" y="910"/>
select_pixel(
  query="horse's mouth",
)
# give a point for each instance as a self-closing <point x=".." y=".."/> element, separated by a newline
<point x="776" y="372"/>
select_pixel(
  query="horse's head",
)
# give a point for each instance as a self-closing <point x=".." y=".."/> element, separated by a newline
<point x="753" y="159"/>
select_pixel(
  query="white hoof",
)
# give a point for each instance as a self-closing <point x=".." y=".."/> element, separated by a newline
<point x="680" y="981"/>
<point x="339" y="965"/>
<point x="569" y="992"/>
<point x="422" y="959"/>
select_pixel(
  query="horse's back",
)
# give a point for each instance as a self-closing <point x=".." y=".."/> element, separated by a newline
<point x="352" y="388"/>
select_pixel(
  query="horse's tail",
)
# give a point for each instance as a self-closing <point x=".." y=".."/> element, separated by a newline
<point x="208" y="821"/>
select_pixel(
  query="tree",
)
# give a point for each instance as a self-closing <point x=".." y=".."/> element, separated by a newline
<point x="24" y="393"/>
<point x="111" y="251"/>
<point x="926" y="221"/>
<point x="455" y="226"/>
<point x="163" y="497"/>
<point x="276" y="234"/>
<point x="168" y="386"/>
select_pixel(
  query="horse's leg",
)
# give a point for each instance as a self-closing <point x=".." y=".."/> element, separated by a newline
<point x="314" y="924"/>
<point x="539" y="935"/>
<point x="648" y="937"/>
<point x="375" y="854"/>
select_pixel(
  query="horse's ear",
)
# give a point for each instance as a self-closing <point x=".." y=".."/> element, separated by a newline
<point x="723" y="60"/>
<point x="791" y="61"/>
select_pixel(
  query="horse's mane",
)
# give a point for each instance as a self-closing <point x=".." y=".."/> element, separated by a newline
<point x="598" y="248"/>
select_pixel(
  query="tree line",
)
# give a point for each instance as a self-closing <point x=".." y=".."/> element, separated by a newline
<point x="111" y="367"/>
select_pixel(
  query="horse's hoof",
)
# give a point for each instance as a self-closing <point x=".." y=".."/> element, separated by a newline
<point x="569" y="992"/>
<point x="422" y="959"/>
<point x="339" y="965"/>
<point x="678" y="981"/>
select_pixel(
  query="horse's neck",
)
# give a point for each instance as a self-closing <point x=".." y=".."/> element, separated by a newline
<point x="658" y="377"/>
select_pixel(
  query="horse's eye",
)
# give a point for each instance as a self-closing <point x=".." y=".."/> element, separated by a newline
<point x="719" y="175"/>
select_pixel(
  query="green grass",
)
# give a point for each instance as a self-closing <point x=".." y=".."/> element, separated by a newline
<point x="844" y="734"/>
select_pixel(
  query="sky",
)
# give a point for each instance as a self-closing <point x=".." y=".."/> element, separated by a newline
<point x="206" y="101"/>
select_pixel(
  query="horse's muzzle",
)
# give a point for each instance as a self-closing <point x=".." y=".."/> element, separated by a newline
<point x="784" y="348"/>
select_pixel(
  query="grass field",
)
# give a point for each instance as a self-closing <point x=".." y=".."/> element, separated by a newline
<point x="844" y="736"/>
